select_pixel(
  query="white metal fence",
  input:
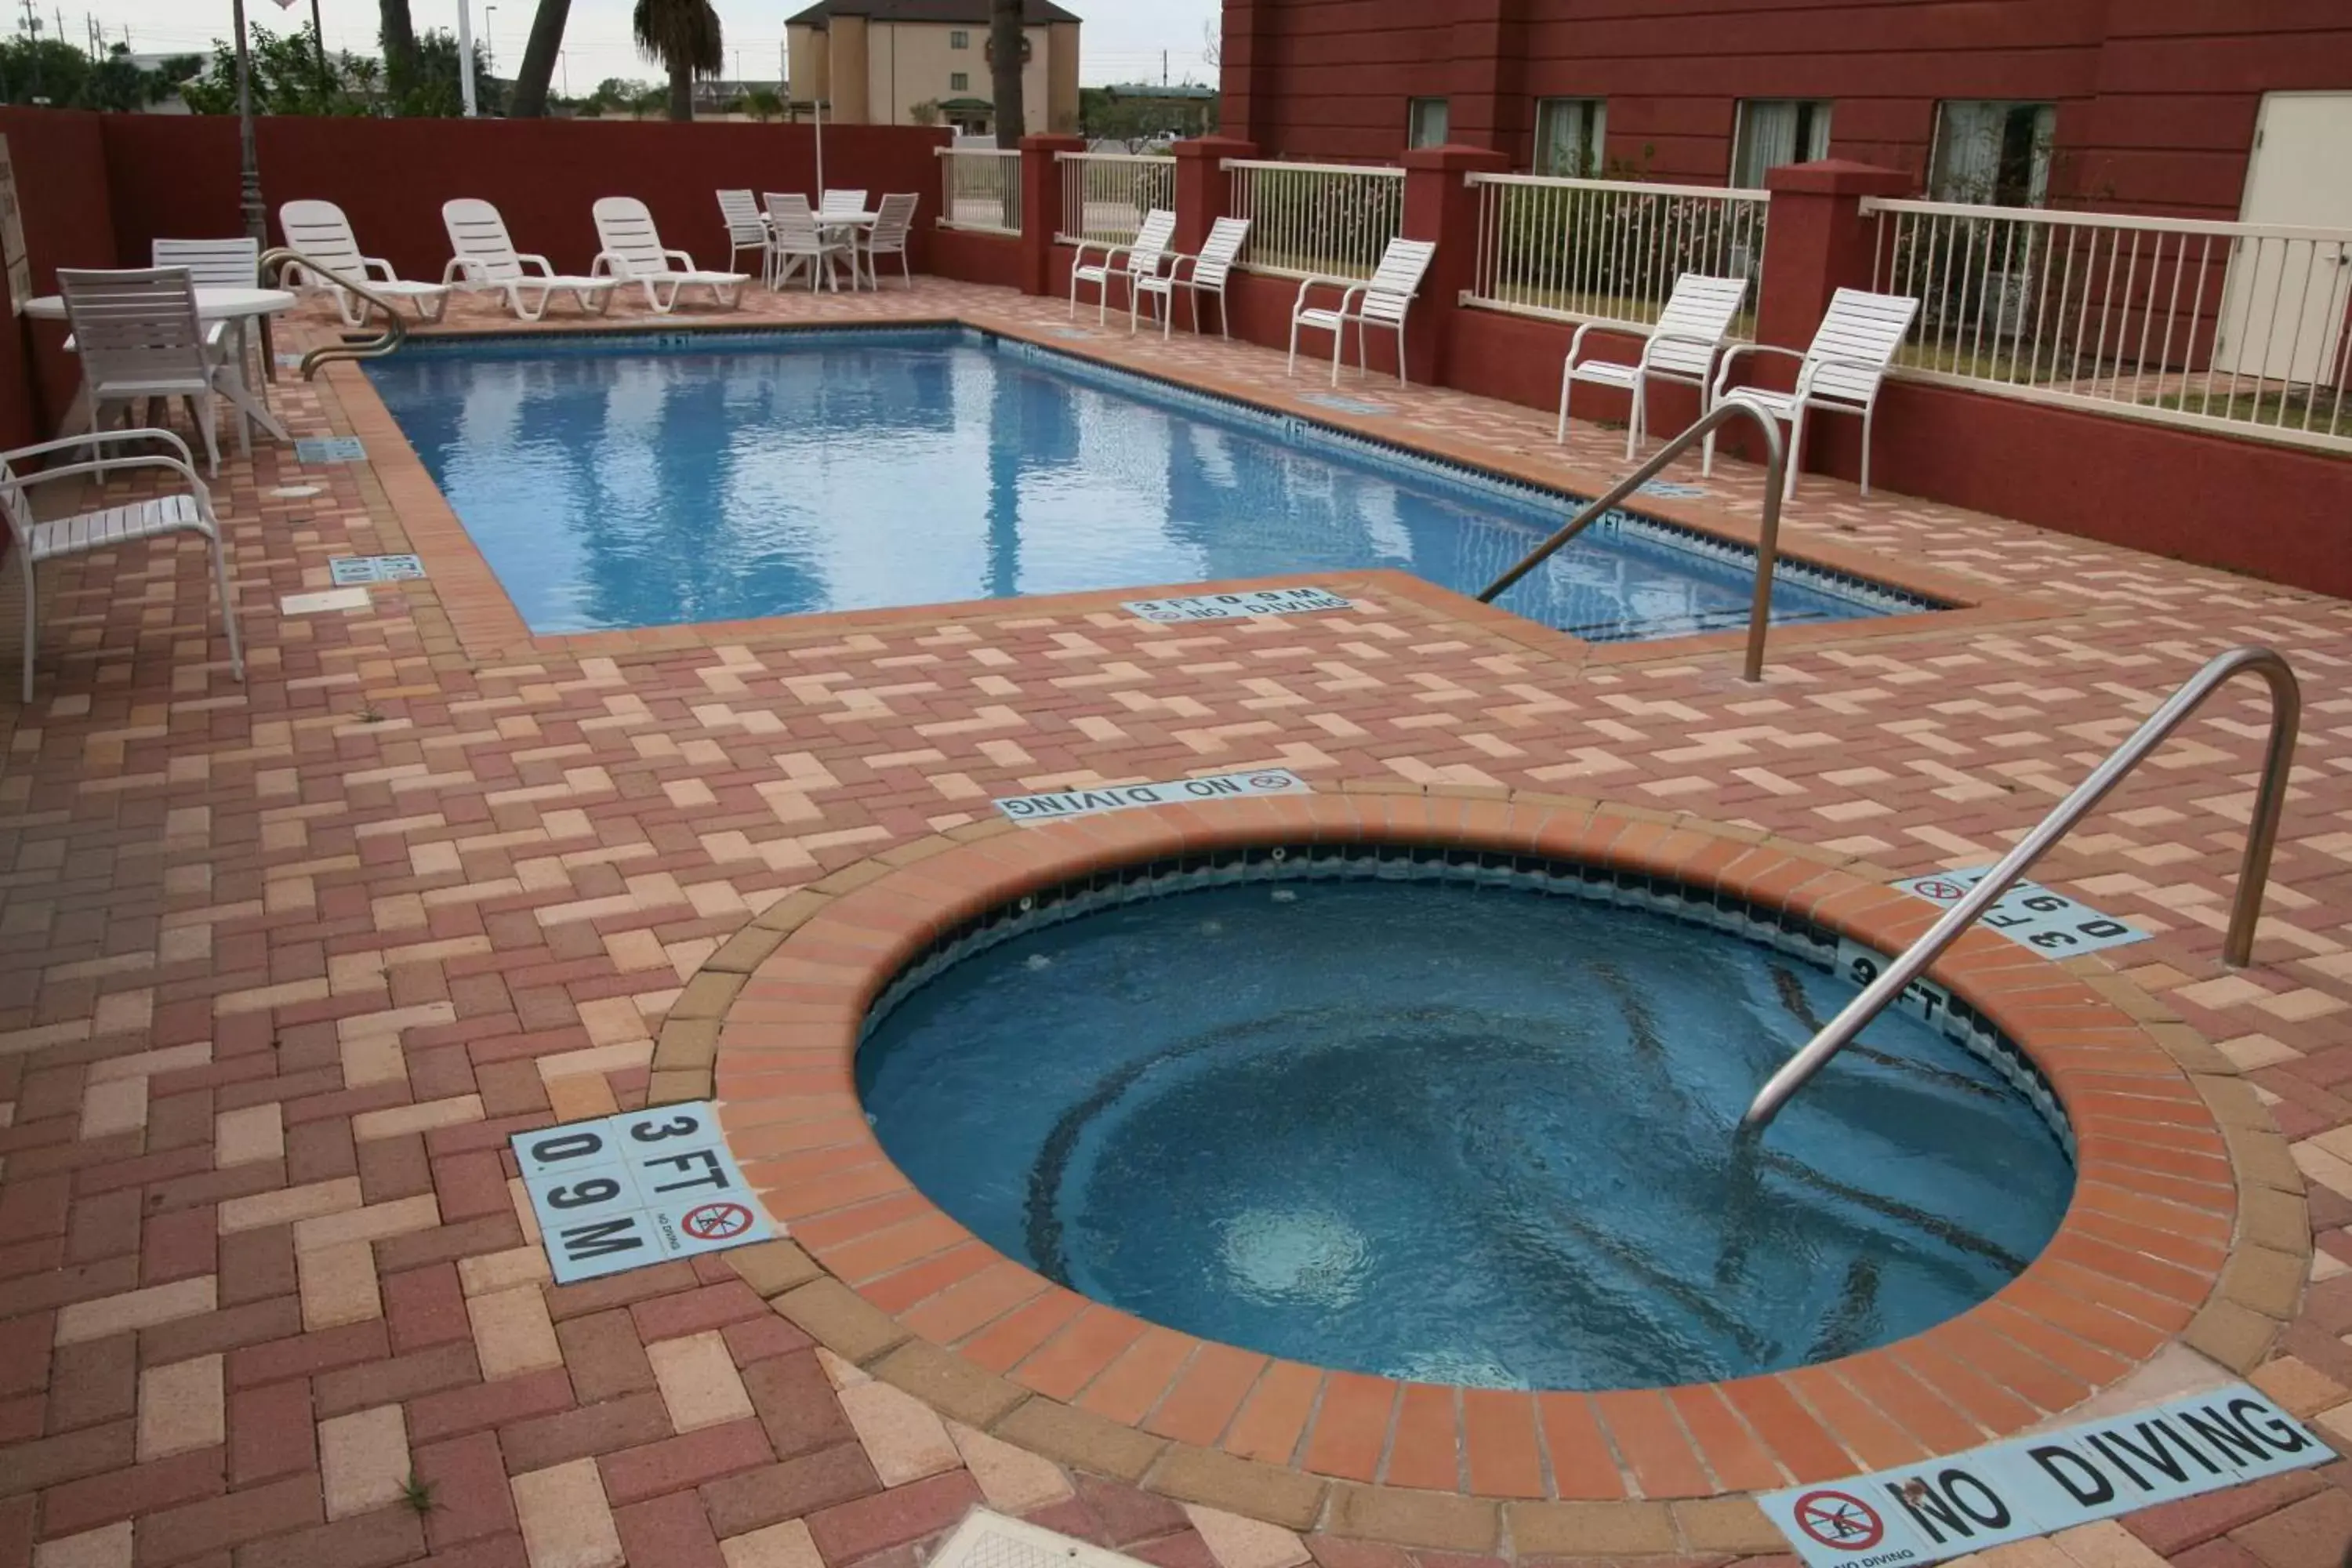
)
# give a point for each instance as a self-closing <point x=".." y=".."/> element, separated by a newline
<point x="2230" y="325"/>
<point x="1106" y="195"/>
<point x="1330" y="219"/>
<point x="980" y="187"/>
<point x="1609" y="250"/>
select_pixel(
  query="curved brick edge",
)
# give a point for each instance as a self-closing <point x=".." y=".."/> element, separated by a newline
<point x="2187" y="1222"/>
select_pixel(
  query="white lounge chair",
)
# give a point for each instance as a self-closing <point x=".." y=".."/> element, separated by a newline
<point x="794" y="238"/>
<point x="485" y="257"/>
<point x="1207" y="275"/>
<point x="634" y="253"/>
<point x="139" y="339"/>
<point x="1143" y="260"/>
<point x="1383" y="299"/>
<point x="183" y="511"/>
<point x="1840" y="373"/>
<point x="739" y="210"/>
<point x="892" y="221"/>
<point x="1694" y="328"/>
<point x="321" y="233"/>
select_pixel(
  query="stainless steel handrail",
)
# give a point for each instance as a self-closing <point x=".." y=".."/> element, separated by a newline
<point x="1767" y="536"/>
<point x="2237" y="947"/>
<point x="396" y="333"/>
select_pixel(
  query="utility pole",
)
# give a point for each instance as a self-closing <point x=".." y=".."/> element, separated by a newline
<point x="319" y="36"/>
<point x="257" y="219"/>
<point x="33" y="33"/>
<point x="1163" y="67"/>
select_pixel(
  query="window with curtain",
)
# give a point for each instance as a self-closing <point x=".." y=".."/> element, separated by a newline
<point x="959" y="81"/>
<point x="1425" y="120"/>
<point x="1570" y="136"/>
<point x="959" y="39"/>
<point x="1993" y="151"/>
<point x="1777" y="130"/>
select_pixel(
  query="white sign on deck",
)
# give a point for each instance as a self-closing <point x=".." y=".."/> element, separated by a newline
<point x="1031" y="808"/>
<point x="2035" y="1486"/>
<point x="641" y="1187"/>
<point x="1236" y="606"/>
<point x="2029" y="913"/>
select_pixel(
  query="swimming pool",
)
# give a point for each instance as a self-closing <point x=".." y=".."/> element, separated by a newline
<point x="622" y="480"/>
<point x="1456" y="1119"/>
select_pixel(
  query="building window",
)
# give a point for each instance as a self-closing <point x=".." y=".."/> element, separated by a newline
<point x="1777" y="130"/>
<point x="1426" y="123"/>
<point x="959" y="39"/>
<point x="959" y="81"/>
<point x="1993" y="150"/>
<point x="1571" y="133"/>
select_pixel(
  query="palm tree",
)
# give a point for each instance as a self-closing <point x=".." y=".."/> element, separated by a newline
<point x="529" y="100"/>
<point x="398" y="36"/>
<point x="682" y="36"/>
<point x="1006" y="51"/>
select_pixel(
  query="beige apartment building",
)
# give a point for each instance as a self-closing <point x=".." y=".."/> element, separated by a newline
<point x="877" y="62"/>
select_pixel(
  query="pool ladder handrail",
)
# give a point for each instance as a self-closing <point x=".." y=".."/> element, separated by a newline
<point x="1767" y="535"/>
<point x="2237" y="947"/>
<point x="274" y="262"/>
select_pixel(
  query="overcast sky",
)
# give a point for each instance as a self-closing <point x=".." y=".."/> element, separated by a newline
<point x="1122" y="42"/>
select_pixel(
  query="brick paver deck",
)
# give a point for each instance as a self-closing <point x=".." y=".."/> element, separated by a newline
<point x="285" y="963"/>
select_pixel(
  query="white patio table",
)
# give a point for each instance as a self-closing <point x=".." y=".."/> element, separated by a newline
<point x="241" y="307"/>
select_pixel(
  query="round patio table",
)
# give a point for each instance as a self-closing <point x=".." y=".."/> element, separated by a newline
<point x="241" y="307"/>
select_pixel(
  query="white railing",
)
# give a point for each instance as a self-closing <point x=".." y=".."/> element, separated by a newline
<point x="1330" y="220"/>
<point x="2231" y="326"/>
<point x="1609" y="250"/>
<point x="980" y="187"/>
<point x="1106" y="195"/>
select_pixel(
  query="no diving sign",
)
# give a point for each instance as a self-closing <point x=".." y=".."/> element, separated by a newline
<point x="1029" y="808"/>
<point x="2030" y="914"/>
<point x="635" y="1189"/>
<point x="2035" y="1486"/>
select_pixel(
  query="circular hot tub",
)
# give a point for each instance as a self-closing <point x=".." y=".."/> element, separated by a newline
<point x="1457" y="1117"/>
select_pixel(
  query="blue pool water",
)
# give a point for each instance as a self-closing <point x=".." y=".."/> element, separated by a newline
<point x="623" y="483"/>
<point x="1464" y="1134"/>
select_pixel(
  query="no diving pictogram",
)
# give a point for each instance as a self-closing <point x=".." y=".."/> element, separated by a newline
<point x="1942" y="893"/>
<point x="715" y="1222"/>
<point x="1840" y="1519"/>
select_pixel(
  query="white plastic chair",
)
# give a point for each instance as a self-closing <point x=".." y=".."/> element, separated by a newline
<point x="485" y="257"/>
<point x="633" y="252"/>
<point x="1207" y="275"/>
<point x="183" y="511"/>
<point x="892" y="221"/>
<point x="139" y="339"/>
<point x="1144" y="260"/>
<point x="1694" y="328"/>
<point x="1840" y="373"/>
<point x="841" y="204"/>
<point x="739" y="210"/>
<point x="215" y="264"/>
<point x="319" y="230"/>
<point x="1383" y="299"/>
<point x="796" y="237"/>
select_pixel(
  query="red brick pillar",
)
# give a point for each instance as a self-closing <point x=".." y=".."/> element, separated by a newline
<point x="1203" y="191"/>
<point x="1816" y="242"/>
<point x="1245" y="70"/>
<point x="1440" y="204"/>
<point x="1041" y="210"/>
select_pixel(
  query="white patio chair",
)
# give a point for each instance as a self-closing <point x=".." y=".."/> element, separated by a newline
<point x="633" y="252"/>
<point x="485" y="257"/>
<point x="796" y="237"/>
<point x="139" y="340"/>
<point x="182" y="511"/>
<point x="1383" y="299"/>
<point x="1840" y="373"/>
<point x="892" y="221"/>
<point x="841" y="204"/>
<point x="739" y="210"/>
<point x="1207" y="275"/>
<point x="319" y="231"/>
<point x="1693" y="329"/>
<point x="1144" y="260"/>
<point x="215" y="264"/>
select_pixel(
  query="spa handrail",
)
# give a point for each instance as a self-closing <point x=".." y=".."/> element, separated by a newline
<point x="2237" y="947"/>
<point x="396" y="333"/>
<point x="1767" y="534"/>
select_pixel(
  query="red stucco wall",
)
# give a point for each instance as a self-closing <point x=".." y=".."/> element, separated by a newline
<point x="2156" y="99"/>
<point x="60" y="165"/>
